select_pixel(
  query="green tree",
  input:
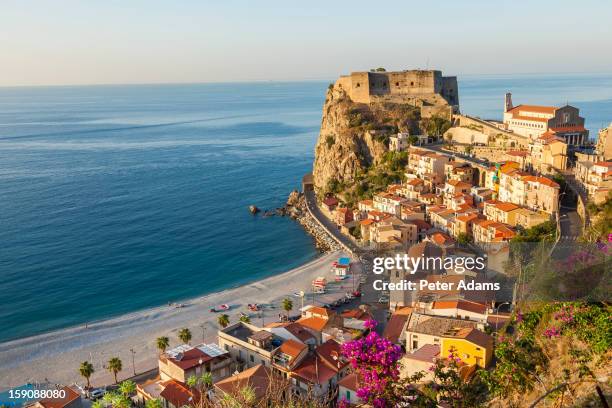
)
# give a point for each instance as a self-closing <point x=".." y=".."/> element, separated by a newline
<point x="463" y="238"/>
<point x="115" y="365"/>
<point x="245" y="319"/>
<point x="153" y="403"/>
<point x="117" y="400"/>
<point x="86" y="370"/>
<point x="127" y="388"/>
<point x="185" y="335"/>
<point x="98" y="404"/>
<point x="287" y="306"/>
<point x="162" y="343"/>
<point x="223" y="320"/>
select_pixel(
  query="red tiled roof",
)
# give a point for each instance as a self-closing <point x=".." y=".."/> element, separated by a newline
<point x="299" y="331"/>
<point x="257" y="378"/>
<point x="350" y="382"/>
<point x="426" y="353"/>
<point x="475" y="336"/>
<point x="330" y="201"/>
<point x="567" y="129"/>
<point x="191" y="358"/>
<point x="541" y="180"/>
<point x="178" y="394"/>
<point x="71" y="395"/>
<point x="314" y="323"/>
<point x="394" y="327"/>
<point x="292" y="348"/>
<point x="534" y="108"/>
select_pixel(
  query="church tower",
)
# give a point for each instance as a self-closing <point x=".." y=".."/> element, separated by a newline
<point x="508" y="102"/>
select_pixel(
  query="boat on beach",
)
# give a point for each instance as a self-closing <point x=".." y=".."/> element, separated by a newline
<point x="220" y="308"/>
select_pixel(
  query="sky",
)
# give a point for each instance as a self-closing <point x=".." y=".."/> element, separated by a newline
<point x="66" y="42"/>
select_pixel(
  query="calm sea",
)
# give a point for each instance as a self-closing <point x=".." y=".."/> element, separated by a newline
<point x="119" y="198"/>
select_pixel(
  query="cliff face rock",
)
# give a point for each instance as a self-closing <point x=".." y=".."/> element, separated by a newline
<point x="354" y="136"/>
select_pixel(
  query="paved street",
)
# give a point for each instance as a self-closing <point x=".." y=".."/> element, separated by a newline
<point x="311" y="202"/>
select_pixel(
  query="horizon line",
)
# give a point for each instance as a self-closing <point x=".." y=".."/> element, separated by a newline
<point x="245" y="81"/>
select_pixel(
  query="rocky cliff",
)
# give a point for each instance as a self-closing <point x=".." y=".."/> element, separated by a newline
<point x="354" y="136"/>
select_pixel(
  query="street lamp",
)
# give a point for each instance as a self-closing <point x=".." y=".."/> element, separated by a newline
<point x="133" y="364"/>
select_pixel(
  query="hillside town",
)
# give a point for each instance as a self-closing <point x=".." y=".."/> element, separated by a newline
<point x="469" y="190"/>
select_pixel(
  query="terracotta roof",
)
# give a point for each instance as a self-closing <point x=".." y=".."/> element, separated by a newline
<point x="441" y="238"/>
<point x="356" y="314"/>
<point x="190" y="358"/>
<point x="331" y="354"/>
<point x="367" y="221"/>
<point x="533" y="108"/>
<point x="71" y="395"/>
<point x="299" y="331"/>
<point x="177" y="394"/>
<point x="406" y="310"/>
<point x="342" y="210"/>
<point x="366" y="202"/>
<point x="415" y="182"/>
<point x="257" y="378"/>
<point x="475" y="336"/>
<point x="426" y="353"/>
<point x="395" y="327"/>
<point x="461" y="305"/>
<point x="567" y="129"/>
<point x="292" y="348"/>
<point x="350" y="382"/>
<point x="457" y="183"/>
<point x="318" y="310"/>
<point x="541" y="180"/>
<point x="324" y="364"/>
<point x="467" y="217"/>
<point x="314" y="323"/>
<point x="506" y="207"/>
<point x="330" y="201"/>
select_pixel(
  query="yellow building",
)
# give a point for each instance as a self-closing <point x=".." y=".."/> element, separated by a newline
<point x="472" y="346"/>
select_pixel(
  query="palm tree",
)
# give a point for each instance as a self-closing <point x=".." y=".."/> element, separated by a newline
<point x="114" y="366"/>
<point x="200" y="384"/>
<point x="127" y="388"/>
<point x="86" y="370"/>
<point x="223" y="320"/>
<point x="184" y="335"/>
<point x="245" y="319"/>
<point x="98" y="404"/>
<point x="287" y="306"/>
<point x="162" y="344"/>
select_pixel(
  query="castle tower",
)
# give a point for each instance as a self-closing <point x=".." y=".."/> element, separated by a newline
<point x="508" y="102"/>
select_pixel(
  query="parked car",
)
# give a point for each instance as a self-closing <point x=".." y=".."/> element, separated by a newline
<point x="96" y="393"/>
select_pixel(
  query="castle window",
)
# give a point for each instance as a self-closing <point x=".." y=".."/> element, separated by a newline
<point x="397" y="84"/>
<point x="411" y="83"/>
<point x="358" y="85"/>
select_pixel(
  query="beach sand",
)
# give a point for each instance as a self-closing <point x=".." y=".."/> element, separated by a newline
<point x="55" y="356"/>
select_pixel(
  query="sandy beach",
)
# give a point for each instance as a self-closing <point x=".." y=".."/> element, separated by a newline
<point x="55" y="356"/>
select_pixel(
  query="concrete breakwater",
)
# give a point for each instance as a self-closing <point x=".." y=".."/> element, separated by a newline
<point x="296" y="209"/>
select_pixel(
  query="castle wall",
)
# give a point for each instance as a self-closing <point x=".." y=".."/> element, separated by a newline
<point x="417" y="87"/>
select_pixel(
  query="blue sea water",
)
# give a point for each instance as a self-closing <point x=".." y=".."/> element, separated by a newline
<point x="119" y="198"/>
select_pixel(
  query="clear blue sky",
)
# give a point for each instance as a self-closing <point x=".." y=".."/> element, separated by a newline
<point x="149" y="41"/>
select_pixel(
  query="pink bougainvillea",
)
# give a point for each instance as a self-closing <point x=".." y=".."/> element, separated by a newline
<point x="374" y="359"/>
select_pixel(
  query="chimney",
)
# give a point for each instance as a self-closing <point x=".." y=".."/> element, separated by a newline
<point x="508" y="102"/>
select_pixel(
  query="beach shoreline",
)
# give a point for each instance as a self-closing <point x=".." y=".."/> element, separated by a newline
<point x="55" y="356"/>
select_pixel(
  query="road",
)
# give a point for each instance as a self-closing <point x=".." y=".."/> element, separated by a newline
<point x="331" y="228"/>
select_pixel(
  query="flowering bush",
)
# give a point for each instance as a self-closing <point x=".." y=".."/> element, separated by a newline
<point x="375" y="360"/>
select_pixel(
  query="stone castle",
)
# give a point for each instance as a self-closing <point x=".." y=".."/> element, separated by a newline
<point x="428" y="89"/>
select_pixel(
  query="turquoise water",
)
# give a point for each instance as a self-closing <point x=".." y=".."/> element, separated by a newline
<point x="119" y="198"/>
